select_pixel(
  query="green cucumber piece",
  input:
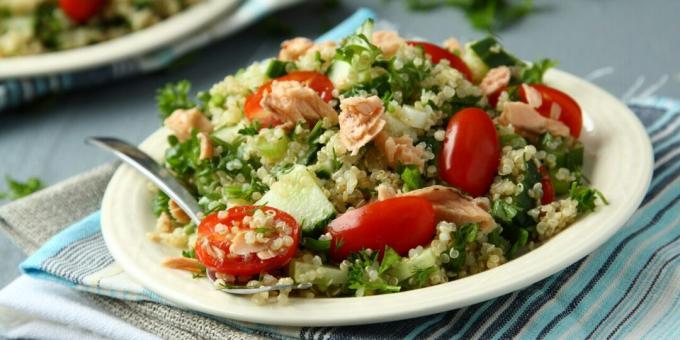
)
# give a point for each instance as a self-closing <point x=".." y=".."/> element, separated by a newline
<point x="492" y="53"/>
<point x="405" y="269"/>
<point x="339" y="72"/>
<point x="325" y="276"/>
<point x="297" y="193"/>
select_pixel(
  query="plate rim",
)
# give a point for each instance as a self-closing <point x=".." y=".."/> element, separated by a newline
<point x="280" y="315"/>
<point x="118" y="49"/>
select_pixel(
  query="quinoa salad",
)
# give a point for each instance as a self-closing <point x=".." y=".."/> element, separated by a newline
<point x="369" y="166"/>
<point x="39" y="26"/>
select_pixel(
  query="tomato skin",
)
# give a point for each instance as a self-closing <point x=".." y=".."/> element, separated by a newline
<point x="315" y="80"/>
<point x="240" y="266"/>
<point x="548" y="189"/>
<point x="437" y="53"/>
<point x="80" y="11"/>
<point x="470" y="153"/>
<point x="571" y="114"/>
<point x="401" y="223"/>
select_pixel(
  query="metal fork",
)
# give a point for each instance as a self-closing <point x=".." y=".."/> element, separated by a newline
<point x="162" y="178"/>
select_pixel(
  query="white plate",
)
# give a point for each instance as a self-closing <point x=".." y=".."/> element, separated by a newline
<point x="618" y="162"/>
<point x="130" y="45"/>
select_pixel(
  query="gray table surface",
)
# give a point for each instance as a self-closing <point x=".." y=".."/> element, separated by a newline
<point x="629" y="47"/>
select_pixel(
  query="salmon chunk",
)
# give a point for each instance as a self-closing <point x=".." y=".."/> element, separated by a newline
<point x="292" y="101"/>
<point x="451" y="205"/>
<point x="400" y="150"/>
<point x="534" y="98"/>
<point x="389" y="42"/>
<point x="496" y="79"/>
<point x="294" y="48"/>
<point x="182" y="121"/>
<point x="525" y="118"/>
<point x="360" y="121"/>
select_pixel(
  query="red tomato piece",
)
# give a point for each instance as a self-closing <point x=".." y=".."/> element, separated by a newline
<point x="216" y="235"/>
<point x="548" y="189"/>
<point x="570" y="115"/>
<point x="80" y="11"/>
<point x="470" y="153"/>
<point x="437" y="53"/>
<point x="401" y="223"/>
<point x="315" y="80"/>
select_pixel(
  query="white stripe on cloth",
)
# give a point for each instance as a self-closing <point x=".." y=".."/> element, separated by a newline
<point x="40" y="309"/>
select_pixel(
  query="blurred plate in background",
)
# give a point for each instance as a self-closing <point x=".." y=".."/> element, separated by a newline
<point x="128" y="46"/>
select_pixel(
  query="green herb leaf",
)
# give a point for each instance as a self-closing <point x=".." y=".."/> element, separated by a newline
<point x="533" y="74"/>
<point x="421" y="276"/>
<point x="190" y="253"/>
<point x="522" y="239"/>
<point x="390" y="258"/>
<point x="160" y="203"/>
<point x="412" y="178"/>
<point x="483" y="14"/>
<point x="503" y="211"/>
<point x="18" y="189"/>
<point x="174" y="96"/>
<point x="47" y="25"/>
<point x="359" y="276"/>
<point x="585" y="197"/>
<point x="250" y="130"/>
<point x="322" y="246"/>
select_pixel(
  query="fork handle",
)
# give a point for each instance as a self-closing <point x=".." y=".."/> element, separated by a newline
<point x="146" y="165"/>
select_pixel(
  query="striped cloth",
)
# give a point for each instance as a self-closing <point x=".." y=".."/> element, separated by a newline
<point x="630" y="286"/>
<point x="16" y="92"/>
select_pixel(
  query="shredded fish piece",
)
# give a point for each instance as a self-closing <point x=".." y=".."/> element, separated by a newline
<point x="177" y="213"/>
<point x="184" y="263"/>
<point x="206" y="150"/>
<point x="525" y="118"/>
<point x="293" y="102"/>
<point x="389" y="42"/>
<point x="451" y="205"/>
<point x="181" y="122"/>
<point x="495" y="79"/>
<point x="294" y="48"/>
<point x="400" y="150"/>
<point x="360" y="121"/>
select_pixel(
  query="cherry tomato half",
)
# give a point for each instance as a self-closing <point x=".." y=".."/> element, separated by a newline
<point x="470" y="153"/>
<point x="401" y="223"/>
<point x="548" y="189"/>
<point x="213" y="242"/>
<point x="570" y="110"/>
<point x="80" y="11"/>
<point x="437" y="53"/>
<point x="315" y="80"/>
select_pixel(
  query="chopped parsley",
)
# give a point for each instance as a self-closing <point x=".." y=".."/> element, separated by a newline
<point x="160" y="203"/>
<point x="190" y="253"/>
<point x="533" y="74"/>
<point x="174" y="96"/>
<point x="585" y="197"/>
<point x="366" y="274"/>
<point x="487" y="15"/>
<point x="17" y="189"/>
<point x="411" y="177"/>
<point x="250" y="130"/>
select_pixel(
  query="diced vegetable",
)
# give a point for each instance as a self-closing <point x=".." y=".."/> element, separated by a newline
<point x="298" y="194"/>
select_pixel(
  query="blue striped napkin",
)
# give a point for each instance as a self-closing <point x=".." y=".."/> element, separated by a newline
<point x="629" y="286"/>
<point x="16" y="92"/>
